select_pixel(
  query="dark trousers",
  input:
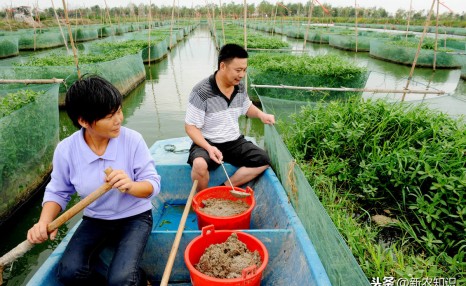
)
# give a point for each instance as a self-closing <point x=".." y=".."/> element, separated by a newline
<point x="128" y="237"/>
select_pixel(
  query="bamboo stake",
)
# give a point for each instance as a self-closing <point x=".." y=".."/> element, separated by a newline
<point x="35" y="33"/>
<point x="436" y="36"/>
<point x="278" y="50"/>
<point x="245" y="31"/>
<point x="176" y="243"/>
<point x="419" y="48"/>
<point x="213" y="17"/>
<point x="108" y="14"/>
<point x="8" y="17"/>
<point x="75" y="53"/>
<point x="25" y="246"/>
<point x="409" y="18"/>
<point x="274" y="16"/>
<point x="311" y="9"/>
<point x="38" y="17"/>
<point x="171" y="26"/>
<point x="373" y="90"/>
<point x="356" y="23"/>
<point x="150" y="29"/>
<point x="59" y="25"/>
<point x="245" y="37"/>
<point x="223" y="26"/>
<point x="32" y="81"/>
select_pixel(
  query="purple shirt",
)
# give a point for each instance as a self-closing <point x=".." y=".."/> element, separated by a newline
<point x="76" y="168"/>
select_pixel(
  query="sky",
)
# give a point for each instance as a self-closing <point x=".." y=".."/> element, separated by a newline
<point x="391" y="6"/>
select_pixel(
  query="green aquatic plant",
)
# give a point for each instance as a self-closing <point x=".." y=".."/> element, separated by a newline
<point x="325" y="65"/>
<point x="402" y="159"/>
<point x="14" y="101"/>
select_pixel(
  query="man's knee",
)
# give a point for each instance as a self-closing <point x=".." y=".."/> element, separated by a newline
<point x="200" y="166"/>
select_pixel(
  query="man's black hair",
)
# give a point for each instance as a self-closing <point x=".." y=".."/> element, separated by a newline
<point x="91" y="98"/>
<point x="230" y="51"/>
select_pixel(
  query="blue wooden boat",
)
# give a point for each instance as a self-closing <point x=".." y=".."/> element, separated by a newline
<point x="292" y="256"/>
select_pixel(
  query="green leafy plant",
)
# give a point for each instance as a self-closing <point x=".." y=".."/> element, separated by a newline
<point x="407" y="160"/>
<point x="14" y="101"/>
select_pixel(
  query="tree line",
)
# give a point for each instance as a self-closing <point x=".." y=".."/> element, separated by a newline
<point x="264" y="9"/>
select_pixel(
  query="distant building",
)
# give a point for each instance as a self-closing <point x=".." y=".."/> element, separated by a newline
<point x="22" y="13"/>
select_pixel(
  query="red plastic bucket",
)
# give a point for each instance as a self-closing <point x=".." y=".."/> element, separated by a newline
<point x="250" y="276"/>
<point x="240" y="221"/>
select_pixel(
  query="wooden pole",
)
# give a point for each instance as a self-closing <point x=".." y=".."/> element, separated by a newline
<point x="373" y="90"/>
<point x="25" y="246"/>
<point x="32" y="81"/>
<point x="274" y="17"/>
<point x="419" y="48"/>
<point x="436" y="36"/>
<point x="150" y="29"/>
<point x="223" y="26"/>
<point x="172" y="23"/>
<point x="59" y="25"/>
<point x="75" y="53"/>
<point x="311" y="9"/>
<point x="409" y="18"/>
<point x="356" y="23"/>
<point x="245" y="29"/>
<point x="108" y="14"/>
<point x="176" y="242"/>
<point x="8" y="17"/>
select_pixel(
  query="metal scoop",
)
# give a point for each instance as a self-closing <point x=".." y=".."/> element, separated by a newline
<point x="234" y="192"/>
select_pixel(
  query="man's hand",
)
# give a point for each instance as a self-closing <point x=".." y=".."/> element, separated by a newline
<point x="267" y="118"/>
<point x="215" y="154"/>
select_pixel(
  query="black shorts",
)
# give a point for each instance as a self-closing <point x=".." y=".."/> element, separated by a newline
<point x="239" y="153"/>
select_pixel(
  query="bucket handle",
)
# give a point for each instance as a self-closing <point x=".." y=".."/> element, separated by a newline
<point x="249" y="271"/>
<point x="208" y="230"/>
<point x="250" y="190"/>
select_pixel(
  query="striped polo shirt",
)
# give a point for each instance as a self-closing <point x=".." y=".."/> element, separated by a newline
<point x="213" y="113"/>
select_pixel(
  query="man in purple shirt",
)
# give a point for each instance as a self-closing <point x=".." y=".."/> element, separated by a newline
<point x="120" y="218"/>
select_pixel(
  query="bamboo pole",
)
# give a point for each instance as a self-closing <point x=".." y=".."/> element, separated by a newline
<point x="245" y="36"/>
<point x="32" y="81"/>
<point x="108" y="14"/>
<point x="150" y="29"/>
<point x="436" y="36"/>
<point x="35" y="33"/>
<point x="356" y="23"/>
<point x="38" y="17"/>
<point x="212" y="27"/>
<point x="25" y="246"/>
<point x="373" y="90"/>
<point x="311" y="10"/>
<point x="278" y="50"/>
<point x="176" y="242"/>
<point x="419" y="48"/>
<point x="172" y="22"/>
<point x="75" y="53"/>
<point x="245" y="29"/>
<point x="8" y="17"/>
<point x="213" y="17"/>
<point x="59" y="25"/>
<point x="223" y="26"/>
<point x="409" y="18"/>
<point x="274" y="16"/>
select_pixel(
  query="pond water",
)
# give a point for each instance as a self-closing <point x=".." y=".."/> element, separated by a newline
<point x="157" y="107"/>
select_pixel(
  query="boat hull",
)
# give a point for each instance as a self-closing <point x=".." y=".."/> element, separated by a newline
<point x="292" y="257"/>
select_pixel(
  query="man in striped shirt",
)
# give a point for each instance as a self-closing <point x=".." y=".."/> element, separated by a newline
<point x="214" y="106"/>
